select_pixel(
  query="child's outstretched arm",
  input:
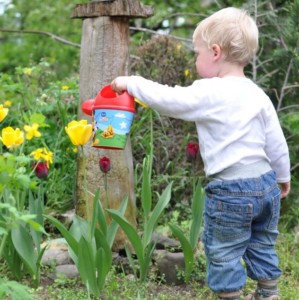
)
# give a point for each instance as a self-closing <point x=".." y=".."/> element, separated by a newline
<point x="119" y="84"/>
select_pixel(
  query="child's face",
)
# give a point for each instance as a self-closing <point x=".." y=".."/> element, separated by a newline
<point x="205" y="62"/>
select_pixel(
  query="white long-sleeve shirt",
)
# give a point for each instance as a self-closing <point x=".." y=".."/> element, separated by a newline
<point x="236" y="122"/>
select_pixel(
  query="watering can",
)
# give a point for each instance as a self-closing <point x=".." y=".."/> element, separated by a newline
<point x="112" y="118"/>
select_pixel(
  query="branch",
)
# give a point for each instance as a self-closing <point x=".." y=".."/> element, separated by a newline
<point x="185" y="40"/>
<point x="53" y="36"/>
<point x="285" y="82"/>
<point x="294" y="167"/>
<point x="288" y="107"/>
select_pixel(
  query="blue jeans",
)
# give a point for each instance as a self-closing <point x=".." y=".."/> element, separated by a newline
<point x="240" y="221"/>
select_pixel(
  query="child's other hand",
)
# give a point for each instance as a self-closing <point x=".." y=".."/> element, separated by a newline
<point x="119" y="84"/>
<point x="285" y="189"/>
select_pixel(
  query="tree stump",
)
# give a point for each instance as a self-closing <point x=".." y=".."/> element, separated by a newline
<point x="104" y="56"/>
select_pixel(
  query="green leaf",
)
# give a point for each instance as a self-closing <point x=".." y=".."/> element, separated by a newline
<point x="23" y="244"/>
<point x="147" y="260"/>
<point x="86" y="265"/>
<point x="102" y="242"/>
<point x="197" y="214"/>
<point x="146" y="193"/>
<point x="14" y="289"/>
<point x="160" y="206"/>
<point x="113" y="226"/>
<point x="187" y="249"/>
<point x="23" y="180"/>
<point x="94" y="213"/>
<point x="131" y="233"/>
<point x="67" y="235"/>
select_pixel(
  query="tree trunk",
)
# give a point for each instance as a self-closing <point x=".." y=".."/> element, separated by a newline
<point x="105" y="55"/>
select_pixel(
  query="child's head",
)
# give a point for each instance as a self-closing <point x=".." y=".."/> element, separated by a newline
<point x="233" y="30"/>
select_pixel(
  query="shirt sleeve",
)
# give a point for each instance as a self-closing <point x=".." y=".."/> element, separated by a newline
<point x="184" y="103"/>
<point x="276" y="147"/>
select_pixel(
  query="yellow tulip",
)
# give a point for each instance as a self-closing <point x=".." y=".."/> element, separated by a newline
<point x="32" y="131"/>
<point x="79" y="132"/>
<point x="12" y="138"/>
<point x="3" y="112"/>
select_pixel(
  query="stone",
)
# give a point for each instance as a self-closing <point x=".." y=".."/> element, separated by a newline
<point x="56" y="256"/>
<point x="170" y="265"/>
<point x="70" y="271"/>
<point x="164" y="242"/>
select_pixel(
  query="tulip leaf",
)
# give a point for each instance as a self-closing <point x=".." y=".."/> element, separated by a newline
<point x="147" y="259"/>
<point x="86" y="265"/>
<point x="94" y="213"/>
<point x="113" y="226"/>
<point x="131" y="261"/>
<point x="197" y="214"/>
<point x="102" y="268"/>
<point x="146" y="193"/>
<point x="72" y="242"/>
<point x="187" y="249"/>
<point x="130" y="232"/>
<point x="101" y="218"/>
<point x="23" y="244"/>
<point x="160" y="206"/>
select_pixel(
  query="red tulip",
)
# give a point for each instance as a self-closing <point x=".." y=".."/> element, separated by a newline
<point x="192" y="150"/>
<point x="41" y="170"/>
<point x="105" y="164"/>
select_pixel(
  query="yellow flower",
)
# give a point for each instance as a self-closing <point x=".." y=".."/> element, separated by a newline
<point x="64" y="87"/>
<point x="3" y="112"/>
<point x="48" y="157"/>
<point x="79" y="132"/>
<point x="12" y="138"/>
<point x="27" y="71"/>
<point x="32" y="131"/>
<point x="186" y="72"/>
<point x="37" y="154"/>
<point x="7" y="103"/>
<point x="43" y="154"/>
<point x="179" y="46"/>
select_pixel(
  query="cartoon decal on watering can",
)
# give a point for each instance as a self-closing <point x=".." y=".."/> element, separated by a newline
<point x="112" y="118"/>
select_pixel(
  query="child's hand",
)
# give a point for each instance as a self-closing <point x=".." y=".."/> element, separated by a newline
<point x="119" y="84"/>
<point x="285" y="189"/>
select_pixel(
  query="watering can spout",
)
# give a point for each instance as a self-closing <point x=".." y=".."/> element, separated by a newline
<point x="87" y="107"/>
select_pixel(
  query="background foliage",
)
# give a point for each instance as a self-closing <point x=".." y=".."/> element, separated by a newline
<point x="275" y="69"/>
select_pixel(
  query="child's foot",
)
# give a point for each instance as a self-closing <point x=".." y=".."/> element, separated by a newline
<point x="254" y="296"/>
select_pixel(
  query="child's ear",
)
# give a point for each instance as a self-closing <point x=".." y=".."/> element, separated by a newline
<point x="217" y="51"/>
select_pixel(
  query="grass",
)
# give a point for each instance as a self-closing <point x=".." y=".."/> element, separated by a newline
<point x="121" y="286"/>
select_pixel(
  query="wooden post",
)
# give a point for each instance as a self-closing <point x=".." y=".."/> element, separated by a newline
<point x="105" y="55"/>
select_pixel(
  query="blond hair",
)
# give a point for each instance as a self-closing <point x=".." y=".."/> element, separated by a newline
<point x="233" y="30"/>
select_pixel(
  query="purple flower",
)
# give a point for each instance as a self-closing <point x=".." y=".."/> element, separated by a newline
<point x="105" y="164"/>
<point x="192" y="150"/>
<point x="41" y="170"/>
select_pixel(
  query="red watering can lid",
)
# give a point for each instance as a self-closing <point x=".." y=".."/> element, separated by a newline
<point x="108" y="99"/>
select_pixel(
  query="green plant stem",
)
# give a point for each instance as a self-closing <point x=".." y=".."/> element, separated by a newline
<point x="3" y="241"/>
<point x="151" y="143"/>
<point x="106" y="190"/>
<point x="85" y="183"/>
